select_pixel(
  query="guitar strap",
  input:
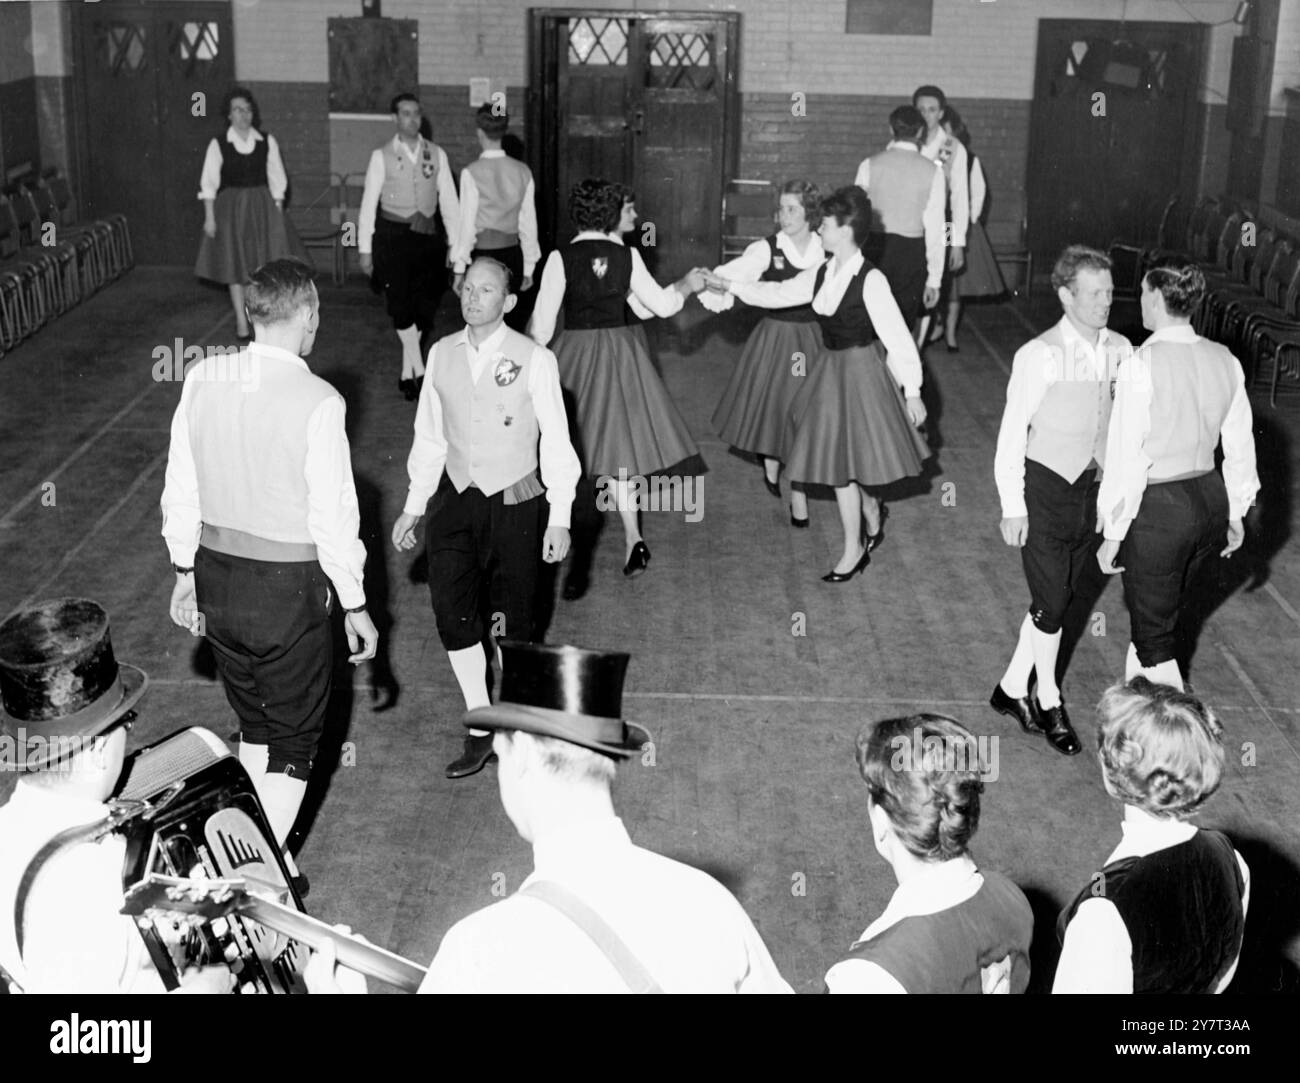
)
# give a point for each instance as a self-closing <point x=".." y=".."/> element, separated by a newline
<point x="629" y="967"/>
<point x="64" y="840"/>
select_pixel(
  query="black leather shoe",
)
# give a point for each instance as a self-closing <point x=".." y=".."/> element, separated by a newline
<point x="843" y="577"/>
<point x="409" y="388"/>
<point x="638" y="561"/>
<point x="799" y="524"/>
<point x="1060" y="734"/>
<point x="873" y="540"/>
<point x="575" y="585"/>
<point x="773" y="487"/>
<point x="477" y="755"/>
<point x="1023" y="709"/>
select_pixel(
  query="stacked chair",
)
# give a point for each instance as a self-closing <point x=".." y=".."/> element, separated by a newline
<point x="48" y="261"/>
<point x="1252" y="274"/>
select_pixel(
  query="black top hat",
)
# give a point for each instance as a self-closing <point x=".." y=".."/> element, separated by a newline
<point x="573" y="694"/>
<point x="59" y="679"/>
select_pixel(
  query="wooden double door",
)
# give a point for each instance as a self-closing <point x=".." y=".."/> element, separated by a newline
<point x="1113" y="130"/>
<point x="649" y="100"/>
<point x="151" y="77"/>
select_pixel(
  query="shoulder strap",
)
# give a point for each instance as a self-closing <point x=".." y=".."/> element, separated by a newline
<point x="629" y="967"/>
<point x="61" y="842"/>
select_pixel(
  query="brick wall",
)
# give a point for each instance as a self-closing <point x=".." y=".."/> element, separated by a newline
<point x="838" y="131"/>
<point x="975" y="49"/>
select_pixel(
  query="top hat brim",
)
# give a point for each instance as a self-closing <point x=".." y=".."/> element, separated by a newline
<point x="574" y="729"/>
<point x="89" y="722"/>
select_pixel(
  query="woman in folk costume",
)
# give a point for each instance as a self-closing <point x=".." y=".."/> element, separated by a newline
<point x="849" y="427"/>
<point x="755" y="407"/>
<point x="628" y="424"/>
<point x="981" y="276"/>
<point x="242" y="188"/>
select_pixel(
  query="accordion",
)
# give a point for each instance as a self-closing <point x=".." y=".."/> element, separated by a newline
<point x="190" y="813"/>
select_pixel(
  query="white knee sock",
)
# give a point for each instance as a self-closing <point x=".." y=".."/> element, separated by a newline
<point x="1046" y="648"/>
<point x="280" y="794"/>
<point x="1166" y="673"/>
<point x="1015" y="681"/>
<point x="411" y="363"/>
<point x="470" y="666"/>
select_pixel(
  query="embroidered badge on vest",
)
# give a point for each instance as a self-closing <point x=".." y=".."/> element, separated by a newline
<point x="778" y="262"/>
<point x="505" y="371"/>
<point x="428" y="166"/>
<point x="599" y="266"/>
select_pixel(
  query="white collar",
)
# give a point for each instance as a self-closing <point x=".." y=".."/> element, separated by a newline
<point x="274" y="353"/>
<point x="492" y="342"/>
<point x="232" y="136"/>
<point x="420" y="144"/>
<point x="903" y="144"/>
<point x="1177" y="332"/>
<point x="577" y="843"/>
<point x="811" y="256"/>
<point x="1071" y="334"/>
<point x="596" y="235"/>
<point x="1145" y="834"/>
<point x="845" y="270"/>
<point x="495" y="152"/>
<point x="940" y="886"/>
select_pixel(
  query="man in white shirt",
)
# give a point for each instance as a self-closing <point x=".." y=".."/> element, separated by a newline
<point x="1050" y="448"/>
<point x="906" y="190"/>
<point x="490" y="414"/>
<point x="498" y="211"/>
<point x="408" y="182"/>
<point x="260" y="517"/>
<point x="597" y="914"/>
<point x="65" y="708"/>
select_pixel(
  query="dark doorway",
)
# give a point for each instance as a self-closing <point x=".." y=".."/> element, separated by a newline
<point x="140" y="69"/>
<point x="1112" y="130"/>
<point x="649" y="100"/>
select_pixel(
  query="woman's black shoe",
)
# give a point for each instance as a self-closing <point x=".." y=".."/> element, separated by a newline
<point x="409" y="388"/>
<point x="801" y="524"/>
<point x="872" y="541"/>
<point x="773" y="487"/>
<point x="843" y="577"/>
<point x="638" y="561"/>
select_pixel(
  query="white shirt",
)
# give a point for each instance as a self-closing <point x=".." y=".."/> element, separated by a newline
<point x="448" y="205"/>
<point x="530" y="249"/>
<point x="210" y="180"/>
<point x="560" y="467"/>
<point x="1127" y="464"/>
<point x="1034" y="369"/>
<point x="75" y="941"/>
<point x="751" y="264"/>
<point x="902" y="357"/>
<point x="979" y="189"/>
<point x="958" y="180"/>
<point x="683" y="926"/>
<point x="940" y="886"/>
<point x="1097" y="954"/>
<point x="333" y="520"/>
<point x="645" y="295"/>
<point x="932" y="219"/>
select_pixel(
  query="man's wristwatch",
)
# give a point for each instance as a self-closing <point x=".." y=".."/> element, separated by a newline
<point x="358" y="609"/>
<point x="182" y="571"/>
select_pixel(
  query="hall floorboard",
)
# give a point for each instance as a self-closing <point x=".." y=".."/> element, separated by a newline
<point x="752" y="675"/>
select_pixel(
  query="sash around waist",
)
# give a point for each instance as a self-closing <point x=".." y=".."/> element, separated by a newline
<point x="489" y="240"/>
<point x="1189" y="475"/>
<point x="239" y="543"/>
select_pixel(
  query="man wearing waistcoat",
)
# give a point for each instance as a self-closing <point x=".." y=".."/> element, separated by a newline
<point x="1050" y="449"/>
<point x="260" y="517"/>
<point x="498" y="212"/>
<point x="906" y="190"/>
<point x="408" y="182"/>
<point x="492" y="397"/>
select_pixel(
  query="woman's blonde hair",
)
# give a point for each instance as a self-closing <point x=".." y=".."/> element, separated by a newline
<point x="1161" y="749"/>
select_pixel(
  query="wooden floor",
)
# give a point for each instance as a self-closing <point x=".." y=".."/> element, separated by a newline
<point x="753" y="723"/>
